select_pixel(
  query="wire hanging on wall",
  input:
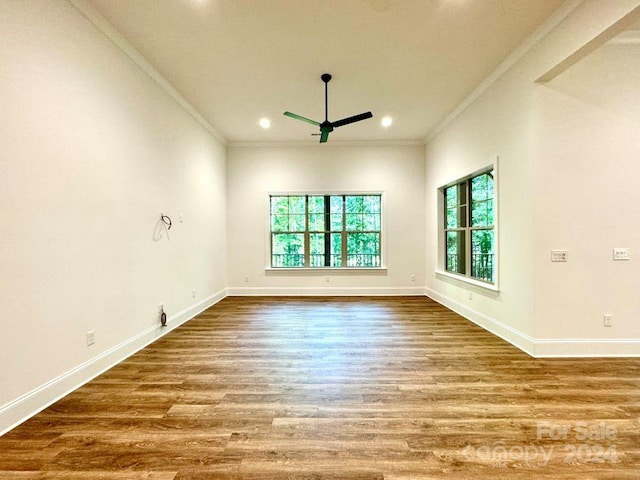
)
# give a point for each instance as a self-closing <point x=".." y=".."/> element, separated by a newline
<point x="166" y="220"/>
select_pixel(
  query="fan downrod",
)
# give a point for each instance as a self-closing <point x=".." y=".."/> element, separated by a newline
<point x="327" y="127"/>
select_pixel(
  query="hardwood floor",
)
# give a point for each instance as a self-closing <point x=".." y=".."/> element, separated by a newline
<point x="337" y="388"/>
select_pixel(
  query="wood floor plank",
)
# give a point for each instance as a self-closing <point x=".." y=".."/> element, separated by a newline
<point x="88" y="475"/>
<point x="349" y="388"/>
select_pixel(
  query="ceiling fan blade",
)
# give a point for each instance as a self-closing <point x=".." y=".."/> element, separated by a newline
<point x="298" y="117"/>
<point x="355" y="118"/>
<point x="324" y="136"/>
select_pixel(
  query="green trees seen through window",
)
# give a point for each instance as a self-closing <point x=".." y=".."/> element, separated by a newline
<point x="470" y="227"/>
<point x="325" y="230"/>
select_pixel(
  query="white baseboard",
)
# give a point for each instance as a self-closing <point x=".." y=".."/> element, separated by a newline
<point x="324" y="291"/>
<point x="512" y="335"/>
<point x="576" y="347"/>
<point x="17" y="411"/>
<point x="543" y="348"/>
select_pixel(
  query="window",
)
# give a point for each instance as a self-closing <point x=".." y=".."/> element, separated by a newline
<point x="469" y="227"/>
<point x="325" y="231"/>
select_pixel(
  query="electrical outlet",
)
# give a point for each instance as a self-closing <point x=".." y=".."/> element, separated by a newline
<point x="246" y="279"/>
<point x="193" y="293"/>
<point x="327" y="279"/>
<point x="607" y="320"/>
<point x="470" y="295"/>
<point x="412" y="278"/>
<point x="160" y="307"/>
<point x="91" y="337"/>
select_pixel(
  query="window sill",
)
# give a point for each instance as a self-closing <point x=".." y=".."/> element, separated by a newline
<point x="469" y="281"/>
<point x="327" y="270"/>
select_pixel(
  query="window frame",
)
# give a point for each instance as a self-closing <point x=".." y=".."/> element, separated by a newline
<point x="308" y="232"/>
<point x="466" y="277"/>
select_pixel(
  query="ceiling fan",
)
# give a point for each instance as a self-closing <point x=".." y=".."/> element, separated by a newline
<point x="327" y="127"/>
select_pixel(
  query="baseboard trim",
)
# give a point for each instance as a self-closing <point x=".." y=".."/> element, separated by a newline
<point x="577" y="347"/>
<point x="543" y="348"/>
<point x="21" y="409"/>
<point x="512" y="335"/>
<point x="324" y="291"/>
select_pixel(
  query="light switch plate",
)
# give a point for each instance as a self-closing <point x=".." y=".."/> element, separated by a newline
<point x="621" y="254"/>
<point x="559" y="255"/>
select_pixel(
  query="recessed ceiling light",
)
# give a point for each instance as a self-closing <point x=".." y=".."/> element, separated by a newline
<point x="265" y="123"/>
<point x="386" y="121"/>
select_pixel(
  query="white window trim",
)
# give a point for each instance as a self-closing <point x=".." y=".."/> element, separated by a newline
<point x="441" y="271"/>
<point x="325" y="270"/>
<point x="356" y="270"/>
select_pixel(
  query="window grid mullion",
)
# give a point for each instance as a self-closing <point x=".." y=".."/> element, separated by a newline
<point x="344" y="231"/>
<point x="467" y="234"/>
<point x="307" y="243"/>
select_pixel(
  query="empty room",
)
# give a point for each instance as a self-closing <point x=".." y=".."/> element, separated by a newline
<point x="331" y="239"/>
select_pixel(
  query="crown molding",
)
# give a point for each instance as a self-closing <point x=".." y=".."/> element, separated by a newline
<point x="344" y="143"/>
<point x="531" y="41"/>
<point x="629" y="37"/>
<point x="101" y="23"/>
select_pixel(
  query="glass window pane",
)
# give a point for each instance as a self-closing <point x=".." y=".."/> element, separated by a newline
<point x="363" y="250"/>
<point x="354" y="222"/>
<point x="287" y="250"/>
<point x="279" y="223"/>
<point x="316" y="250"/>
<point x="482" y="255"/>
<point x="336" y="222"/>
<point x="279" y="205"/>
<point x="296" y="223"/>
<point x="456" y="217"/>
<point x="336" y="204"/>
<point x="316" y="222"/>
<point x="371" y="222"/>
<point x="371" y="203"/>
<point x="455" y="257"/>
<point x="451" y="196"/>
<point x="297" y="204"/>
<point x="354" y="204"/>
<point x="482" y="200"/>
<point x="316" y="243"/>
<point x="479" y="213"/>
<point x="283" y="214"/>
<point x="316" y="204"/>
<point x="479" y="187"/>
<point x="452" y="218"/>
<point x="336" y="249"/>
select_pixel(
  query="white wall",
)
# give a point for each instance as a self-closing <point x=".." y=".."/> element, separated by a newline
<point x="554" y="153"/>
<point x="588" y="199"/>
<point x="254" y="172"/>
<point x="91" y="150"/>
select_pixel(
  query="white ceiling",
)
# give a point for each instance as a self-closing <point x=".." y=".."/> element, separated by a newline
<point x="236" y="61"/>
